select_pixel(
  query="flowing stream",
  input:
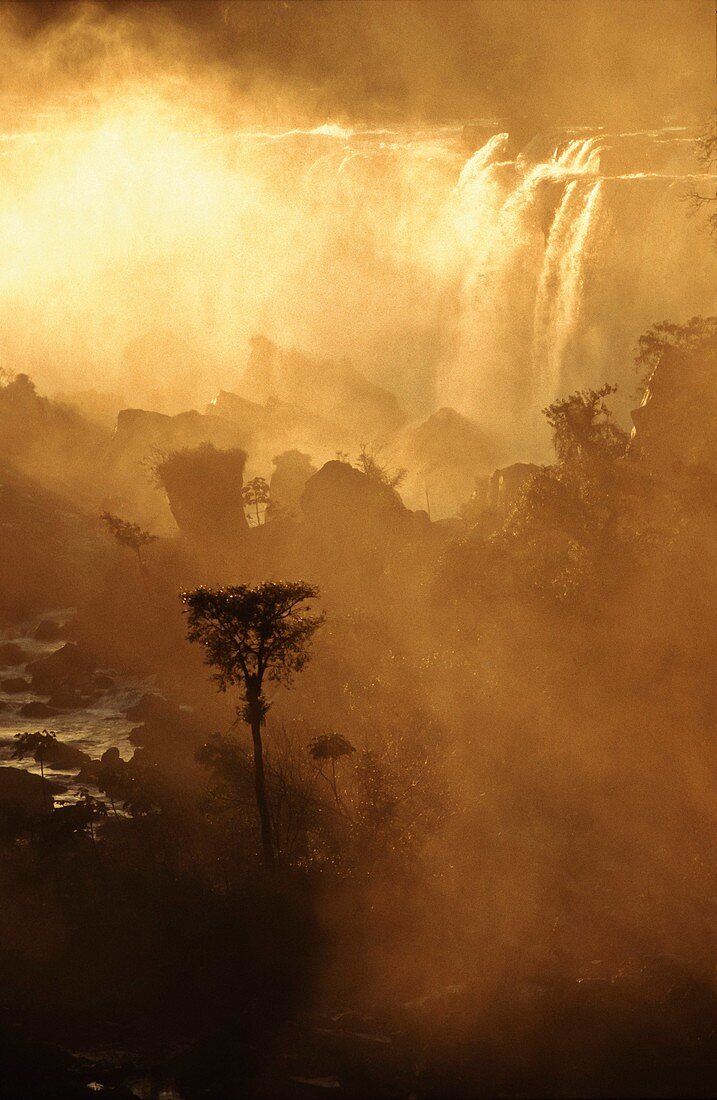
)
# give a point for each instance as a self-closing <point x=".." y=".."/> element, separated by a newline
<point x="94" y="728"/>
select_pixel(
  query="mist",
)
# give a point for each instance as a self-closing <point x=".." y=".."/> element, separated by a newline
<point x="167" y="194"/>
<point x="357" y="549"/>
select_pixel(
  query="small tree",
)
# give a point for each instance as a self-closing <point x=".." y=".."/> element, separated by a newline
<point x="331" y="746"/>
<point x="368" y="462"/>
<point x="698" y="332"/>
<point x="707" y="153"/>
<point x="583" y="428"/>
<point x="252" y="636"/>
<point x="36" y="745"/>
<point x="254" y="494"/>
<point x="128" y="534"/>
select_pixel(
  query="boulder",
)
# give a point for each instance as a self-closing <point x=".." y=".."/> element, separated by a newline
<point x="342" y="498"/>
<point x="675" y="424"/>
<point x="21" y="791"/>
<point x="65" y="756"/>
<point x="445" y="454"/>
<point x="155" y="710"/>
<point x="67" y="699"/>
<point x="67" y="667"/>
<point x="15" y="685"/>
<point x="36" y="709"/>
<point x="292" y="470"/>
<point x="12" y="654"/>
<point x="204" y="489"/>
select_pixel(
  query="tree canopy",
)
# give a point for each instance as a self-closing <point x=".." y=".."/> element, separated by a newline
<point x="249" y="633"/>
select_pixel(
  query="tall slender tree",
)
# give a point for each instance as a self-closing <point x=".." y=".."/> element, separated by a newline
<point x="38" y="745"/>
<point x="252" y="636"/>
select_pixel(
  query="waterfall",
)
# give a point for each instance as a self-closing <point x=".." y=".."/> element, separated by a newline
<point x="558" y="300"/>
<point x="148" y="255"/>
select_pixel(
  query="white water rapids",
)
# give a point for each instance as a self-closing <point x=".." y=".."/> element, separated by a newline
<point x="141" y="258"/>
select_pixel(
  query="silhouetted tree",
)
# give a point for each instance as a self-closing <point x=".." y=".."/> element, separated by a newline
<point x="331" y="746"/>
<point x="128" y="534"/>
<point x="251" y="636"/>
<point x="36" y="745"/>
<point x="583" y="427"/>
<point x="77" y="819"/>
<point x="369" y="464"/>
<point x="254" y="494"/>
<point x="707" y="153"/>
<point x="696" y="333"/>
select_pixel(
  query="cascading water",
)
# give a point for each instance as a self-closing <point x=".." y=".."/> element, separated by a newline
<point x="558" y="301"/>
<point x="493" y="282"/>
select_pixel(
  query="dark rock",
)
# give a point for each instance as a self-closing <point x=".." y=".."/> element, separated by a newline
<point x="156" y="710"/>
<point x="204" y="489"/>
<point x="293" y="470"/>
<point x="66" y="756"/>
<point x="48" y="548"/>
<point x="68" y="666"/>
<point x="37" y="709"/>
<point x="16" y="684"/>
<point x="12" y="654"/>
<point x="21" y="791"/>
<point x="339" y="495"/>
<point x="67" y="699"/>
<point x="47" y="631"/>
<point x="139" y="736"/>
<point x="675" y="424"/>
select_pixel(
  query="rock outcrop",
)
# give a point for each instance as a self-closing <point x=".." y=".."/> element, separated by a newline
<point x="676" y="424"/>
<point x="292" y="470"/>
<point x="204" y="489"/>
<point x="444" y="455"/>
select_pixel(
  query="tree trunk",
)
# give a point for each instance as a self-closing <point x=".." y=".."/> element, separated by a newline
<point x="42" y="777"/>
<point x="260" y="786"/>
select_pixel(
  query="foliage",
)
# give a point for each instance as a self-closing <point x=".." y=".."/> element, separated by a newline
<point x="34" y="744"/>
<point x="368" y="463"/>
<point x="250" y="634"/>
<point x="707" y="153"/>
<point x="330" y="746"/>
<point x="75" y="819"/>
<point x="583" y="427"/>
<point x="127" y="534"/>
<point x="37" y="745"/>
<point x="169" y="470"/>
<point x="255" y="494"/>
<point x="227" y="758"/>
<point x="693" y="334"/>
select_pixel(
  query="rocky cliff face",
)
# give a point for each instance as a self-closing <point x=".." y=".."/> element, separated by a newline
<point x="204" y="489"/>
<point x="676" y="424"/>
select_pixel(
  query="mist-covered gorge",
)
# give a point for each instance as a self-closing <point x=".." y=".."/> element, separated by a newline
<point x="459" y="267"/>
